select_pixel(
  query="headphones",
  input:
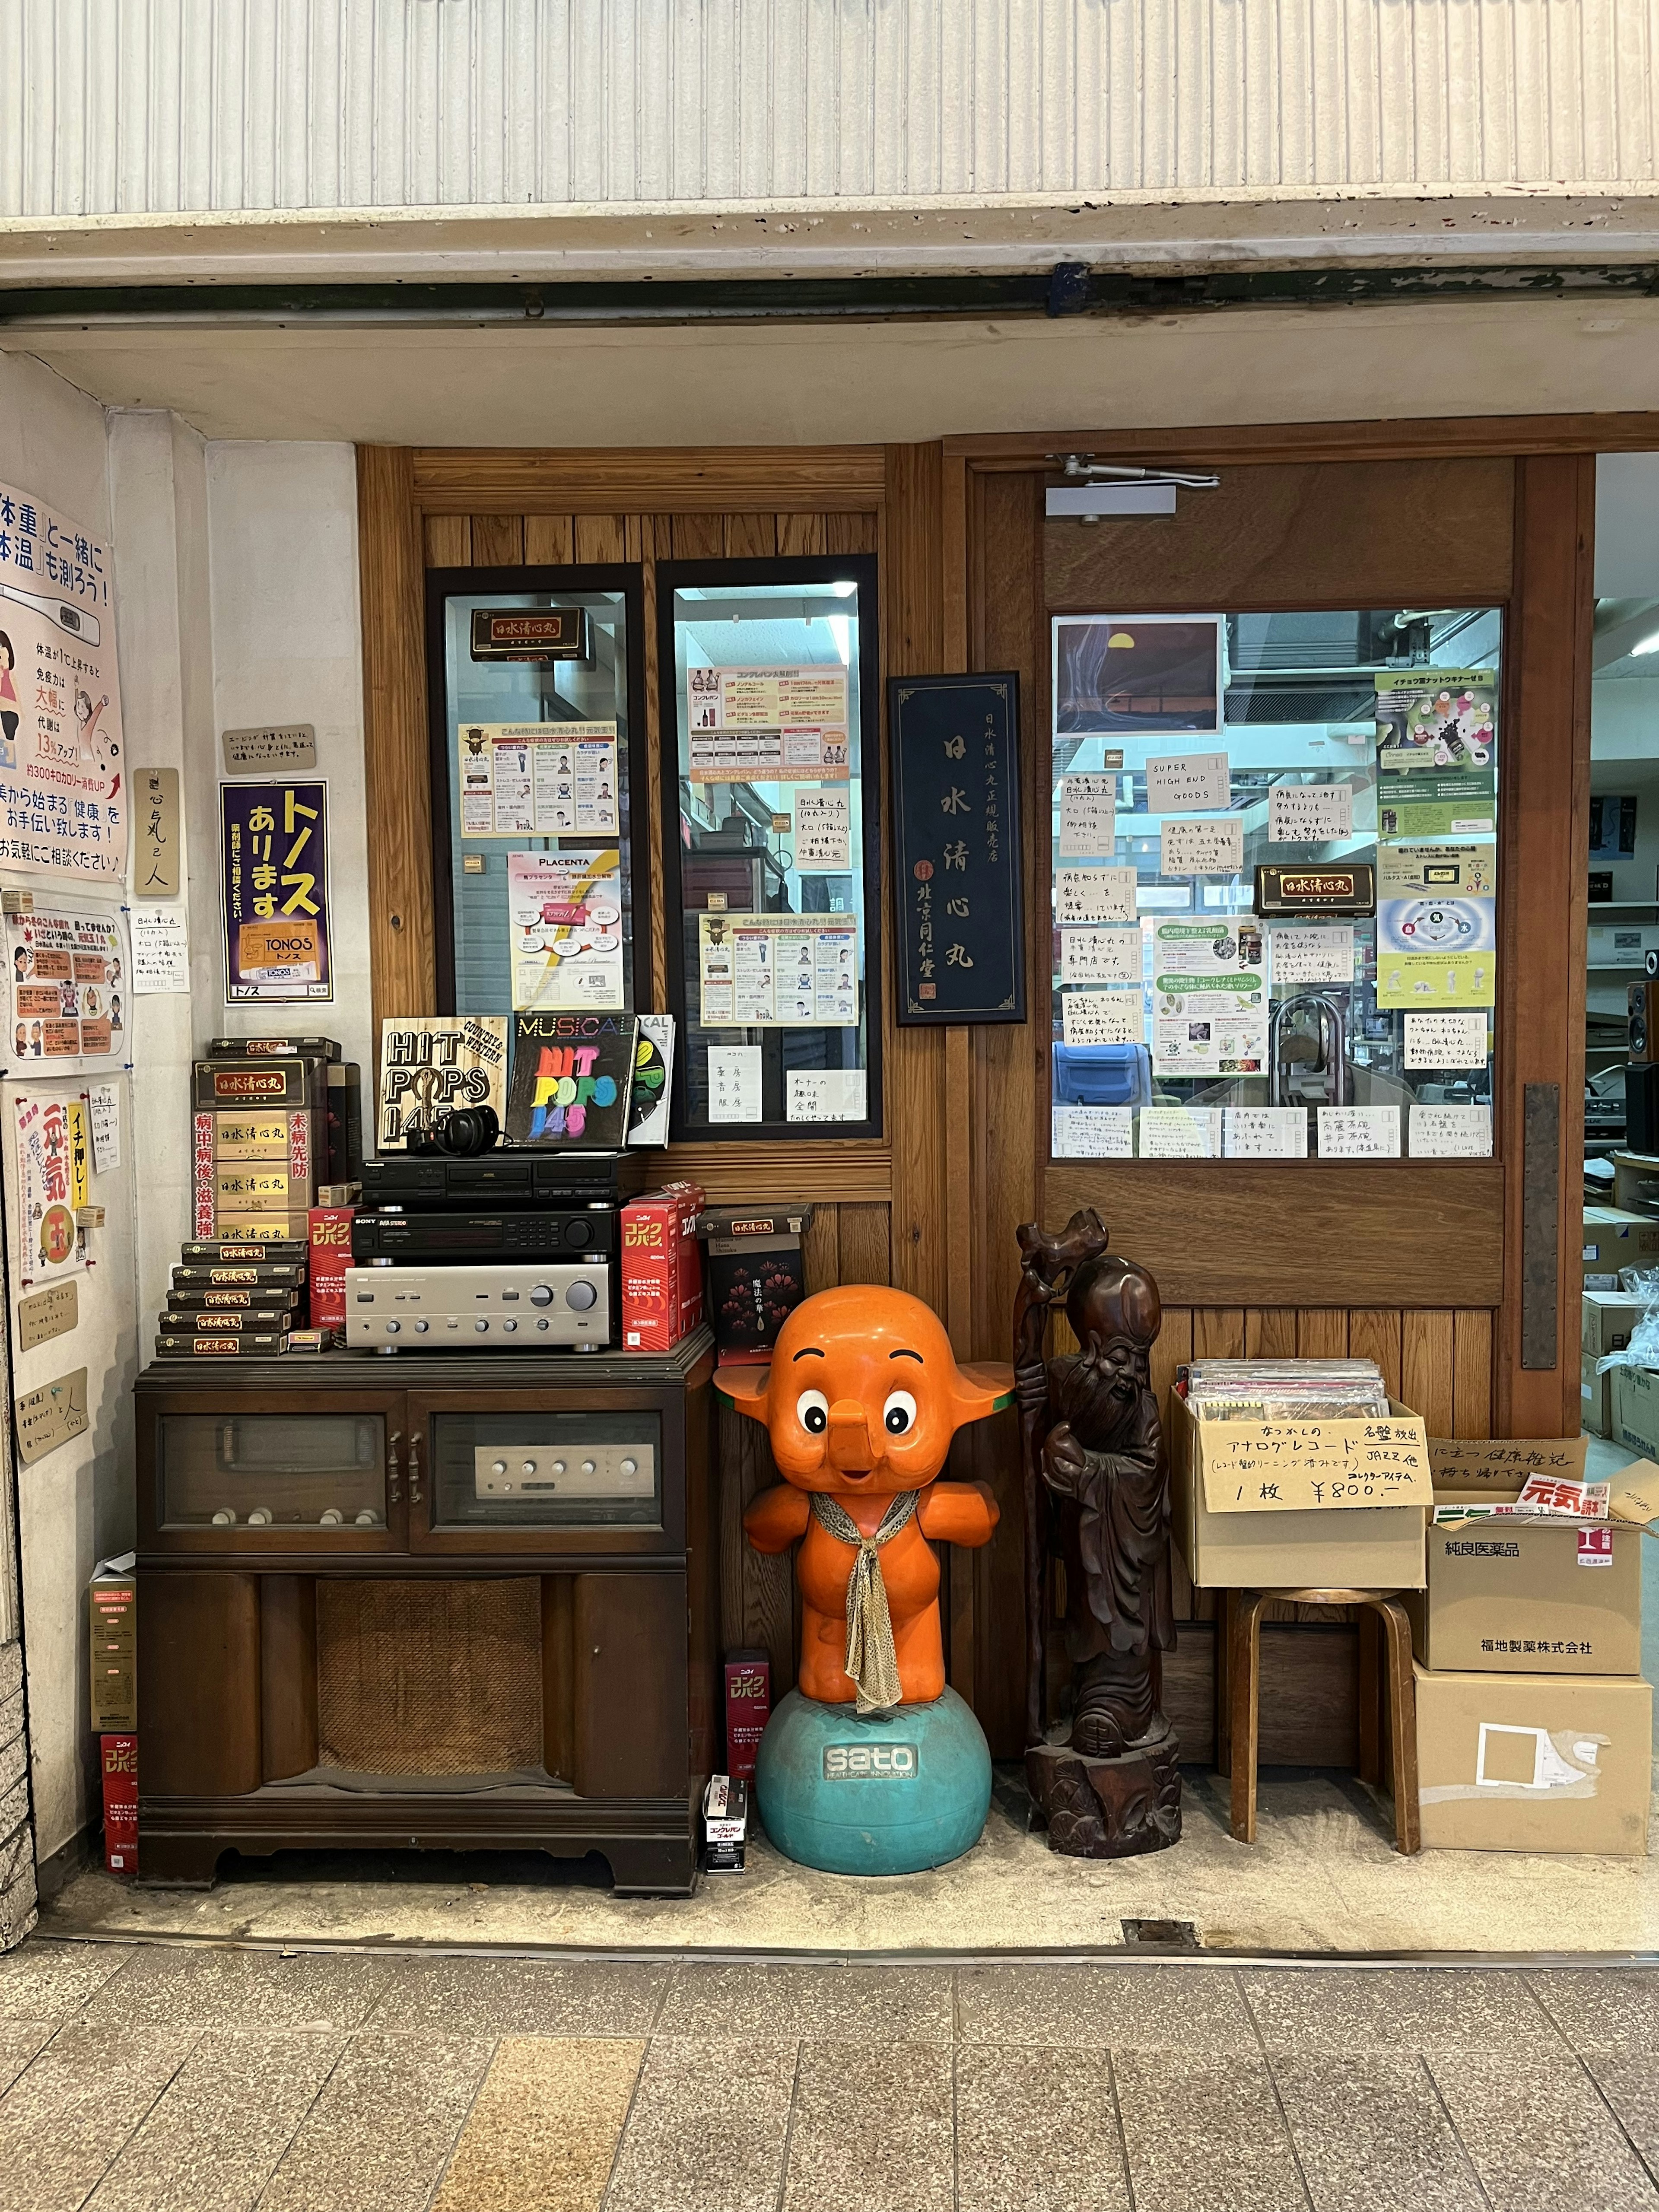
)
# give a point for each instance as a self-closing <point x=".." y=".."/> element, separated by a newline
<point x="466" y="1132"/>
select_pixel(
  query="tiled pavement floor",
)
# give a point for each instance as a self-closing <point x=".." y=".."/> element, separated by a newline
<point x="139" y="2077"/>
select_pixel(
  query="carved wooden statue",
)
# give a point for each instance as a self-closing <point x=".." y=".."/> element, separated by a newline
<point x="1096" y="1495"/>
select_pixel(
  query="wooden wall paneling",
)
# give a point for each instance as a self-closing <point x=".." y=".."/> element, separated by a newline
<point x="911" y="617"/>
<point x="1471" y="1374"/>
<point x="1322" y="1333"/>
<point x="1215" y="446"/>
<point x="1008" y="629"/>
<point x="1425" y="1369"/>
<point x="1173" y="1349"/>
<point x="1373" y="1333"/>
<point x="757" y="1593"/>
<point x="847" y="532"/>
<point x="1270" y="1332"/>
<point x="821" y="1250"/>
<point x="600" y="539"/>
<point x="800" y="536"/>
<point x="1218" y="1333"/>
<point x="1263" y="538"/>
<point x="497" y="541"/>
<point x="550" y="541"/>
<point x="751" y="537"/>
<point x="698" y="536"/>
<point x="1544" y="789"/>
<point x="648" y="539"/>
<point x="402" y="967"/>
<point x="865" y="1244"/>
<point x="646" y="479"/>
<point x="449" y="541"/>
<point x="1348" y="1233"/>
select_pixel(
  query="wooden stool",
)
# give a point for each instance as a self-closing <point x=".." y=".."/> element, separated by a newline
<point x="1239" y="1656"/>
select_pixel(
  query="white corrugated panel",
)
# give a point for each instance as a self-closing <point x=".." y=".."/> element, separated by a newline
<point x="160" y="107"/>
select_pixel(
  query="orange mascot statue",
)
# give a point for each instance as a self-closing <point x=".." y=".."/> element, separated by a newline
<point x="861" y="1400"/>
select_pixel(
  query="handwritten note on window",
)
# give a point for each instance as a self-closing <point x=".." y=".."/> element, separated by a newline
<point x="1179" y="1132"/>
<point x="1094" y="895"/>
<point x="1189" y="783"/>
<point x="1094" y="1133"/>
<point x="1359" y="1133"/>
<point x="1088" y="816"/>
<point x="1100" y="956"/>
<point x="1309" y="813"/>
<point x="1450" y="1133"/>
<point x="1264" y="1133"/>
<point x="1323" y="954"/>
<point x="1453" y="1038"/>
<point x="1298" y="1466"/>
<point x="1203" y="848"/>
<point x="1103" y="1018"/>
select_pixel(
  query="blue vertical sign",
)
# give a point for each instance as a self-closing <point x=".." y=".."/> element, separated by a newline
<point x="959" y="926"/>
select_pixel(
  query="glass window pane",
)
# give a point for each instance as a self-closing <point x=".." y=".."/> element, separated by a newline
<point x="536" y="761"/>
<point x="276" y="1471"/>
<point x="771" y="871"/>
<point x="547" y="1470"/>
<point x="1274" y="840"/>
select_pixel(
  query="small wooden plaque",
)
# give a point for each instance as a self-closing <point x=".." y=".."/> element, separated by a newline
<point x="45" y="1314"/>
<point x="49" y="1416"/>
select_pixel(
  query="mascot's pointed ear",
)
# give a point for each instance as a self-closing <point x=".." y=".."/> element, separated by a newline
<point x="981" y="1390"/>
<point x="744" y="1388"/>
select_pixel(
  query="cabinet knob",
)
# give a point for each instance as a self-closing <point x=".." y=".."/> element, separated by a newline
<point x="414" y="1467"/>
<point x="394" y="1466"/>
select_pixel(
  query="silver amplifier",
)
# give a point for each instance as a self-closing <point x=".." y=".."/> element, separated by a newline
<point x="508" y="1309"/>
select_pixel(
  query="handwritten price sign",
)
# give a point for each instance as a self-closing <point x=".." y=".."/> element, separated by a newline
<point x="1298" y="1466"/>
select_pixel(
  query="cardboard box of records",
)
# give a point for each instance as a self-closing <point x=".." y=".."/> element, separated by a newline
<point x="1298" y="1474"/>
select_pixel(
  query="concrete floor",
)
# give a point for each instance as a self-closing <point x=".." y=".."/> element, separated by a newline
<point x="1323" y="1876"/>
<point x="194" y="2079"/>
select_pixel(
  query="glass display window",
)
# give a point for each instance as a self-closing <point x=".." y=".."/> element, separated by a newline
<point x="535" y="685"/>
<point x="1273" y="887"/>
<point x="768" y="671"/>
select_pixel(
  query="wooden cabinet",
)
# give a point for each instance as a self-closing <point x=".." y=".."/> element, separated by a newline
<point x="381" y="1576"/>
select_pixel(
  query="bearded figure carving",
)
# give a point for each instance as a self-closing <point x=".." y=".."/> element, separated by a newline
<point x="1098" y="1500"/>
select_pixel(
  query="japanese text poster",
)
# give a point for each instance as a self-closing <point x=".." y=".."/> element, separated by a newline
<point x="767" y="725"/>
<point x="538" y="779"/>
<point x="63" y="795"/>
<point x="274" y="886"/>
<point x="565" y="913"/>
<point x="53" y="1163"/>
<point x="69" y="989"/>
<point x="960" y="936"/>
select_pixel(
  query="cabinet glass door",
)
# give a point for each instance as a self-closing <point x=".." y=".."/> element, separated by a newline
<point x="493" y="1472"/>
<point x="285" y="1473"/>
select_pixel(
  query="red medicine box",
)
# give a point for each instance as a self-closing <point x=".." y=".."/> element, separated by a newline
<point x="120" y="1764"/>
<point x="748" y="1707"/>
<point x="329" y="1258"/>
<point x="661" y="1268"/>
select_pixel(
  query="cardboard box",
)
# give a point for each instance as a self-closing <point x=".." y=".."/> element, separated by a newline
<point x="112" y="1621"/>
<point x="756" y="1278"/>
<point x="1533" y="1762"/>
<point x="1609" y="1317"/>
<point x="118" y="1757"/>
<point x="1356" y="1546"/>
<point x="1595" y="1394"/>
<point x="328" y="1257"/>
<point x="1615" y="1238"/>
<point x="1636" y="1410"/>
<point x="1522" y="1597"/>
<point x="661" y="1268"/>
<point x="748" y="1707"/>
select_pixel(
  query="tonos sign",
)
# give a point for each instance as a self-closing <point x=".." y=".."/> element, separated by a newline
<point x="871" y="1762"/>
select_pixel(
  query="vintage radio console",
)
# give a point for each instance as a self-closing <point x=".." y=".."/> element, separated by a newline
<point x="423" y="1238"/>
<point x="550" y="1305"/>
<point x="419" y="1182"/>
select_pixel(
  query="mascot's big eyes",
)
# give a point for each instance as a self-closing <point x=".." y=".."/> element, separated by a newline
<point x="813" y="1411"/>
<point x="898" y="1415"/>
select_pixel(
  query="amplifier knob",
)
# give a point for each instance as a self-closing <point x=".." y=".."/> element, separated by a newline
<point x="224" y="1518"/>
<point x="332" y="1517"/>
<point x="541" y="1324"/>
<point x="366" y="1519"/>
<point x="498" y="1466"/>
<point x="529" y="1467"/>
<point x="422" y="1326"/>
<point x="630" y="1466"/>
<point x="509" y="1326"/>
<point x="260" y="1517"/>
<point x="542" y="1295"/>
<point x="582" y="1295"/>
<point x="589" y="1468"/>
<point x="481" y="1326"/>
<point x="392" y="1328"/>
<point x="575" y="1234"/>
<point x="558" y="1467"/>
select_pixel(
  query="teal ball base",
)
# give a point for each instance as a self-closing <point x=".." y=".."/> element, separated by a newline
<point x="893" y="1794"/>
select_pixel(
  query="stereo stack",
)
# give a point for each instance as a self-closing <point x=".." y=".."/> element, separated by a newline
<point x="487" y="1249"/>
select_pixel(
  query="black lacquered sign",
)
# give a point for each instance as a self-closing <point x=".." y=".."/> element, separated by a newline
<point x="959" y="928"/>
